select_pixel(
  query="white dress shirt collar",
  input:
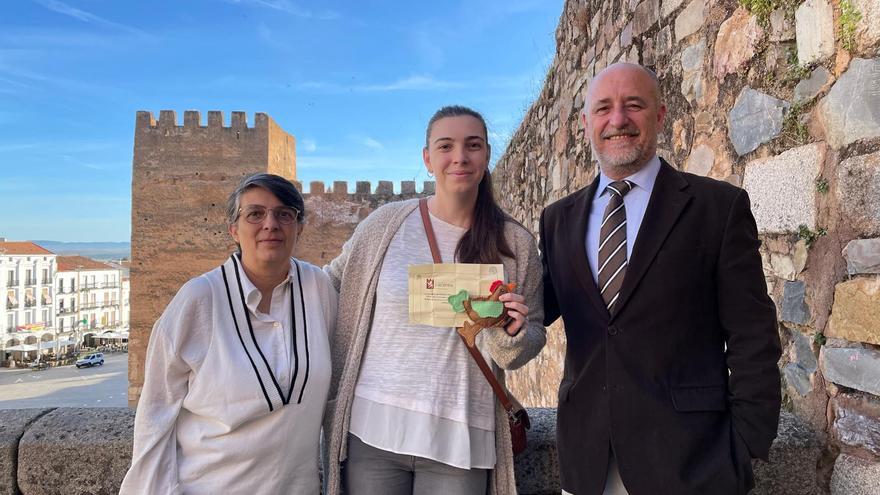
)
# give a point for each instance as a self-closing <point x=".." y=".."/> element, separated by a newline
<point x="251" y="294"/>
<point x="644" y="178"/>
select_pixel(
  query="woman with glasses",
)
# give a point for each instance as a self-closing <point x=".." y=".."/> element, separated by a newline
<point x="410" y="412"/>
<point x="238" y="365"/>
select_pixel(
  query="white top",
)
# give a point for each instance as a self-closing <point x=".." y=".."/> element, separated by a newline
<point x="419" y="391"/>
<point x="233" y="398"/>
<point x="635" y="203"/>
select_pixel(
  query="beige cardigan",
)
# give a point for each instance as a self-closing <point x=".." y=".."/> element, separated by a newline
<point x="355" y="274"/>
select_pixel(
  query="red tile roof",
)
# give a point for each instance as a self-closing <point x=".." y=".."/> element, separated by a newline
<point x="22" y="247"/>
<point x="73" y="263"/>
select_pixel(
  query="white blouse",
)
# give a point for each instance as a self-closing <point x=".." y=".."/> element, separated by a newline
<point x="233" y="398"/>
<point x="419" y="391"/>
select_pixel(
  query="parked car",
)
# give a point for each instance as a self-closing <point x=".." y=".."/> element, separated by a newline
<point x="90" y="360"/>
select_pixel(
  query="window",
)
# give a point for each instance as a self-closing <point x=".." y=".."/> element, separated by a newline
<point x="61" y="287"/>
<point x="11" y="279"/>
<point x="46" y="316"/>
<point x="28" y="318"/>
<point x="45" y="275"/>
<point x="10" y="321"/>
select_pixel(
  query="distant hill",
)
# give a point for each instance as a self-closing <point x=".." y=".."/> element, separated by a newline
<point x="95" y="250"/>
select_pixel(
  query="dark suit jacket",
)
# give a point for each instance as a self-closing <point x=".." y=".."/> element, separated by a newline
<point x="681" y="381"/>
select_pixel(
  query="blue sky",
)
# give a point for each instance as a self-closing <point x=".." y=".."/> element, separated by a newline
<point x="354" y="81"/>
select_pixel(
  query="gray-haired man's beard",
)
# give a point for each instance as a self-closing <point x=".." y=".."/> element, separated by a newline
<point x="624" y="162"/>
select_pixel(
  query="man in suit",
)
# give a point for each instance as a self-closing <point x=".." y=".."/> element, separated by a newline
<point x="670" y="383"/>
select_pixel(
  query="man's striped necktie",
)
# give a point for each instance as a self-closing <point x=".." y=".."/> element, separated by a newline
<point x="612" y="243"/>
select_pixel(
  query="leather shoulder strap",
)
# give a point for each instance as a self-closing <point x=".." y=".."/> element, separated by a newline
<point x="429" y="230"/>
<point x="475" y="353"/>
<point x="490" y="377"/>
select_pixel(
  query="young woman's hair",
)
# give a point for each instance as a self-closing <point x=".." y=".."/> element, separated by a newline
<point x="484" y="241"/>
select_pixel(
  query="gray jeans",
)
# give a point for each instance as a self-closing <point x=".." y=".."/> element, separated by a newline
<point x="372" y="471"/>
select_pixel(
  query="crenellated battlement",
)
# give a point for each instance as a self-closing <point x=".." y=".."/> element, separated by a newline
<point x="363" y="189"/>
<point x="192" y="119"/>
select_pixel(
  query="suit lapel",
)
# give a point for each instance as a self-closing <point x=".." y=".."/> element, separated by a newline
<point x="580" y="215"/>
<point x="668" y="199"/>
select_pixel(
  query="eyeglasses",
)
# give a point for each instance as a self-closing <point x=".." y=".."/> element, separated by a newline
<point x="285" y="215"/>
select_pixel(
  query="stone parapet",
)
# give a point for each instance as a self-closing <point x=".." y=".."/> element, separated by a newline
<point x="88" y="451"/>
<point x="76" y="450"/>
<point x="13" y="425"/>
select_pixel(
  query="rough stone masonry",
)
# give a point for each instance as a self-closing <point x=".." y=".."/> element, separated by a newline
<point x="784" y="103"/>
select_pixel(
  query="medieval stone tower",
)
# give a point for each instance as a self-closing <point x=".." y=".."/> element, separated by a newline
<point x="181" y="176"/>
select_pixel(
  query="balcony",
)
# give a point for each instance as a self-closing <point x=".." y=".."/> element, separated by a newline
<point x="66" y="311"/>
<point x="47" y="281"/>
<point x="96" y="285"/>
<point x="12" y="283"/>
<point x="11" y="305"/>
<point x="30" y="281"/>
<point x="30" y="304"/>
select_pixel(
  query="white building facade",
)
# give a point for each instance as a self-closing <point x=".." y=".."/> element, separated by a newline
<point x="90" y="299"/>
<point x="27" y="278"/>
<point x="54" y="304"/>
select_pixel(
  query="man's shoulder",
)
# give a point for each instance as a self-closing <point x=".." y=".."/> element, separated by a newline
<point x="709" y="189"/>
<point x="567" y="202"/>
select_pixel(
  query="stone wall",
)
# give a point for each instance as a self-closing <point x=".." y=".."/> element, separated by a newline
<point x="784" y="101"/>
<point x="70" y="451"/>
<point x="180" y="180"/>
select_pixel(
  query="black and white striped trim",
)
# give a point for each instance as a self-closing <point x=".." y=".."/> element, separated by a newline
<point x="272" y="391"/>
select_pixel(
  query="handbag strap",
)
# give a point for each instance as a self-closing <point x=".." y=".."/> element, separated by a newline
<point x="475" y="353"/>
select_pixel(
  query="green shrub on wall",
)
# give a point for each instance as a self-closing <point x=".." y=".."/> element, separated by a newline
<point x="849" y="17"/>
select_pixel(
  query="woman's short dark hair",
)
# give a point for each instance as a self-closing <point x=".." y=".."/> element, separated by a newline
<point x="282" y="188"/>
<point x="484" y="241"/>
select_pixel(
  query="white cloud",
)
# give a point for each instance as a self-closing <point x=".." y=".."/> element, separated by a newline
<point x="319" y="86"/>
<point x="291" y="8"/>
<point x="413" y="83"/>
<point x="307" y="145"/>
<point x="82" y="15"/>
<point x="367" y="141"/>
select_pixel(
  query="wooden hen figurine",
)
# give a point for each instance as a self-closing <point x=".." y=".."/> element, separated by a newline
<point x="484" y="311"/>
